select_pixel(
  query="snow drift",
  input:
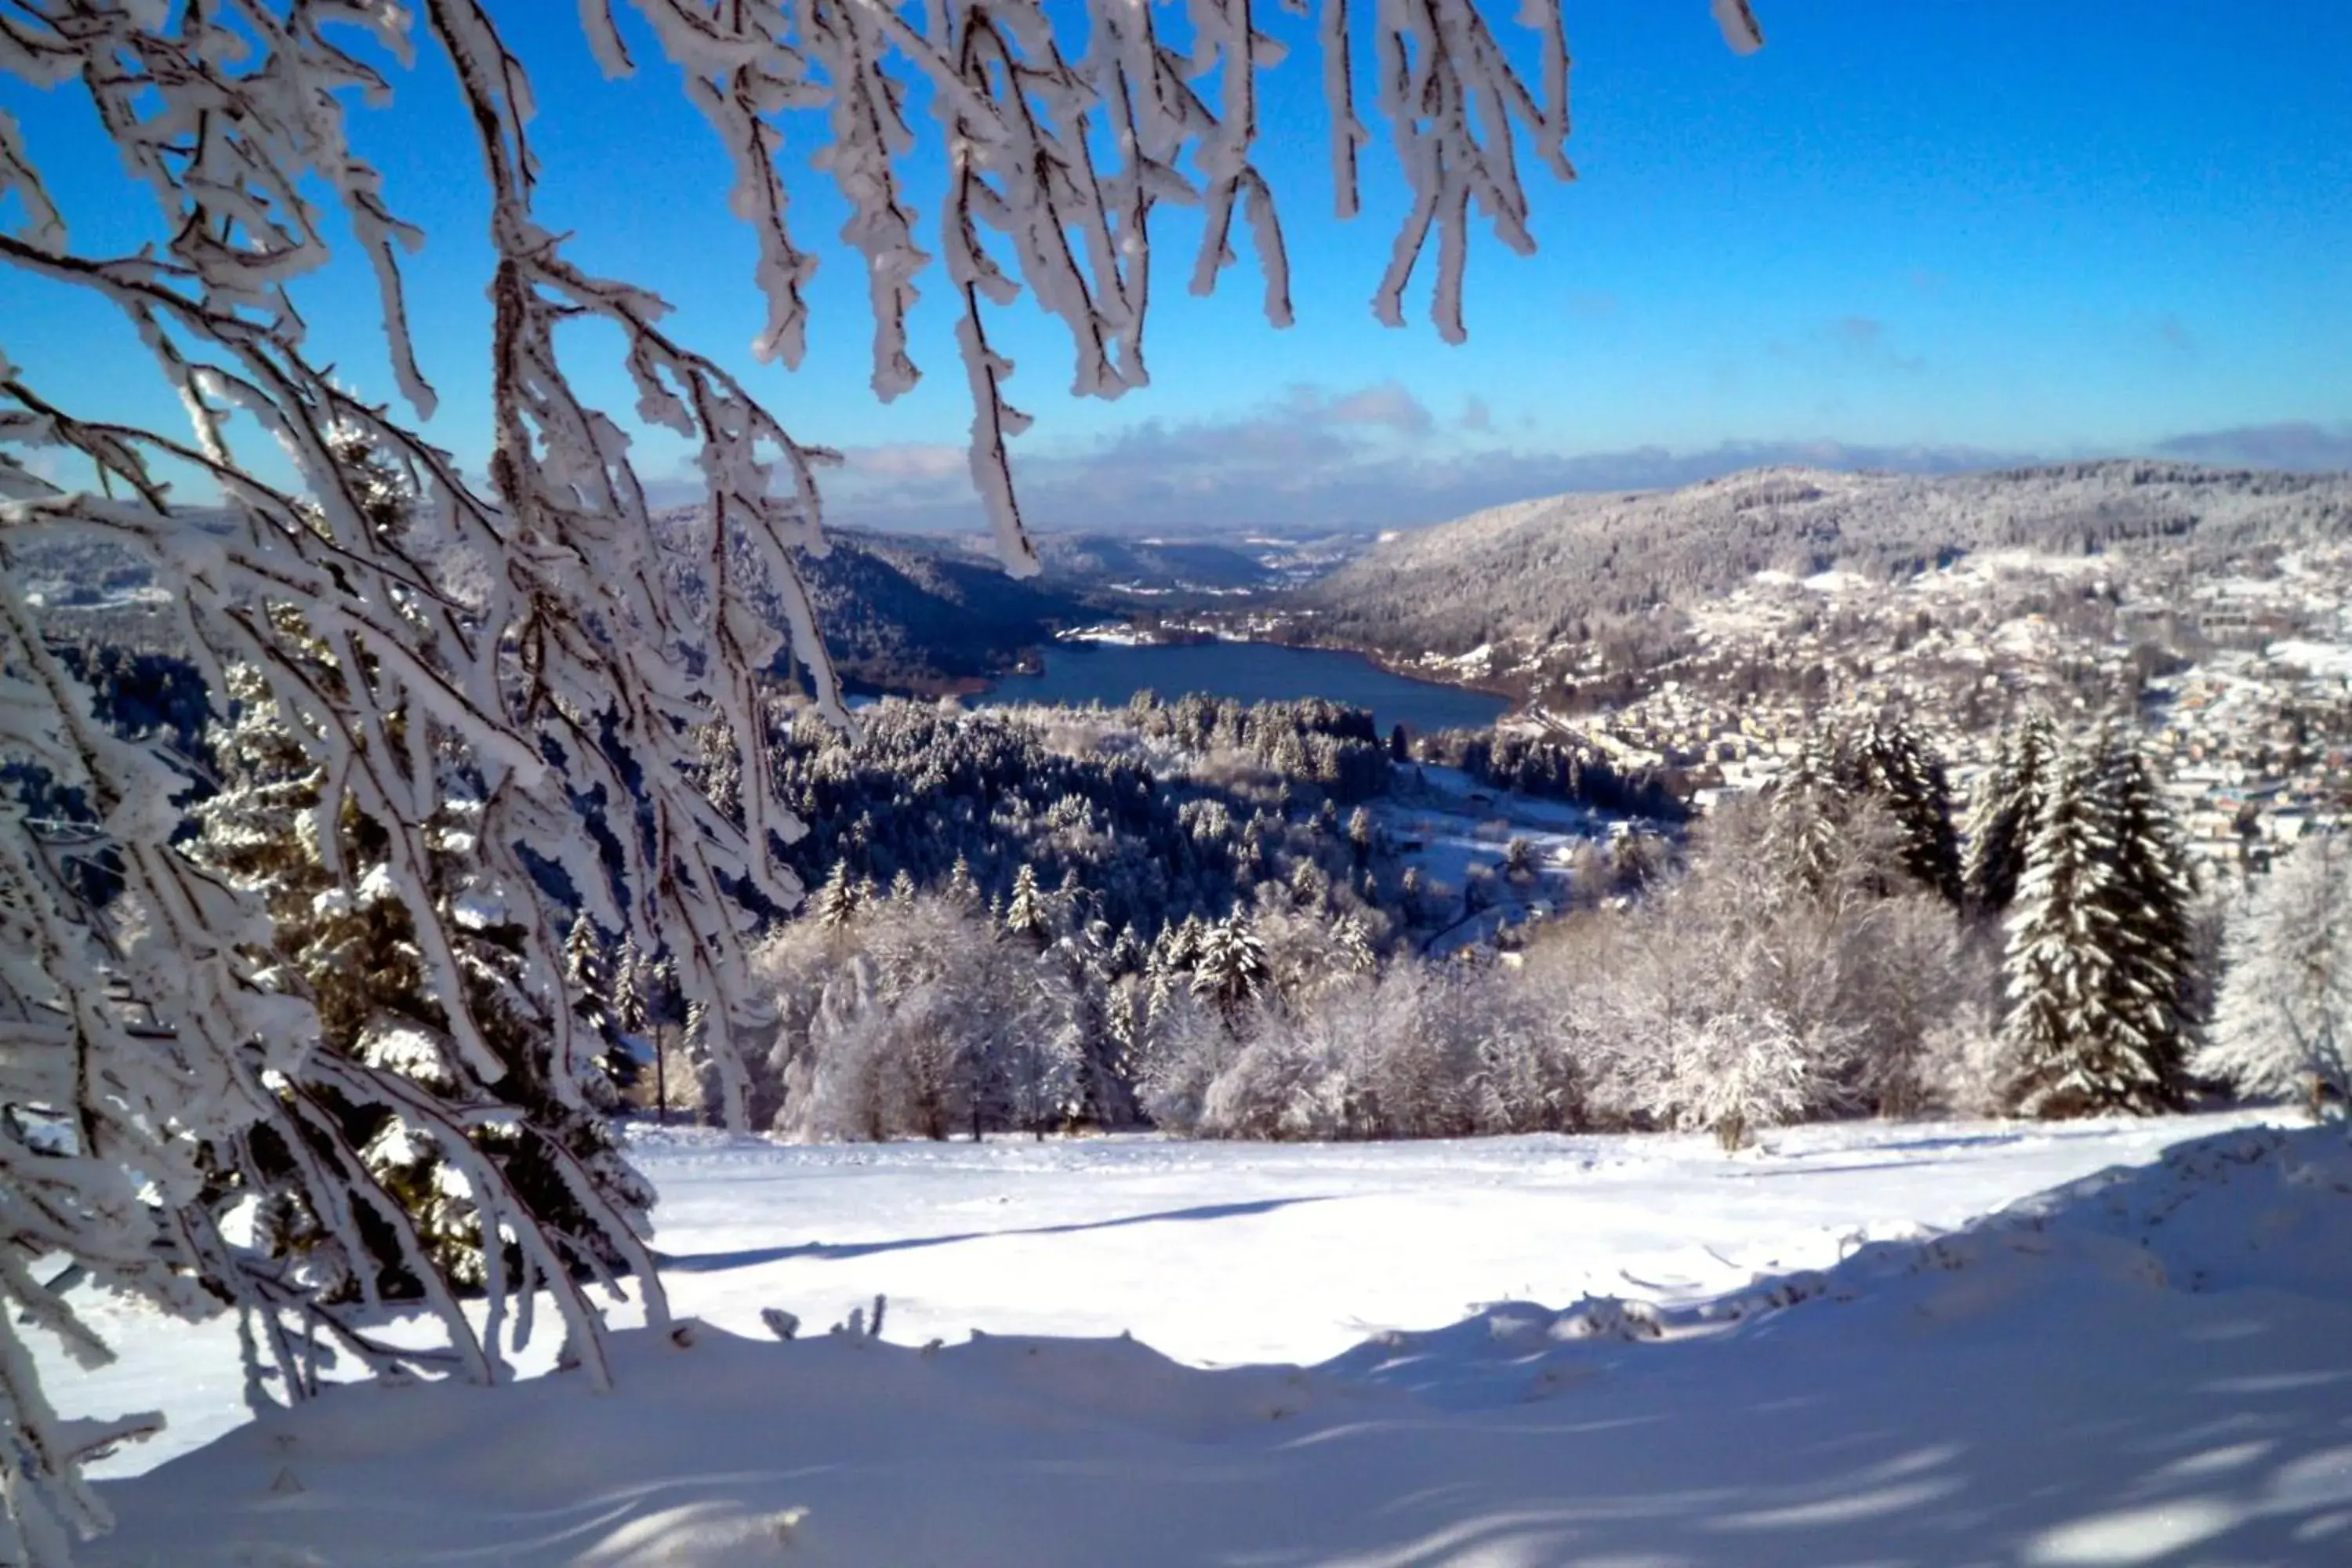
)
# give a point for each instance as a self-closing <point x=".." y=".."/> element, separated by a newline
<point x="2135" y="1365"/>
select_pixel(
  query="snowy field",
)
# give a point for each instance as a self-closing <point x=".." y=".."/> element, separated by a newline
<point x="2158" y="1367"/>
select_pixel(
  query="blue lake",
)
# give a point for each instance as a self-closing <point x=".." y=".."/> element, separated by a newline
<point x="1078" y="673"/>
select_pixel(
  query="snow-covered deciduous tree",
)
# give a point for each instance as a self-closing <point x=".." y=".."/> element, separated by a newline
<point x="1733" y="1072"/>
<point x="2284" y="1025"/>
<point x="536" y="624"/>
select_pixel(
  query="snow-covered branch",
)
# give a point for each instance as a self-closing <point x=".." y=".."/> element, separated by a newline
<point x="504" y="698"/>
<point x="1064" y="126"/>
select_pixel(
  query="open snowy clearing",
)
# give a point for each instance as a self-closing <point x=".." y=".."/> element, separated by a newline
<point x="2157" y="1366"/>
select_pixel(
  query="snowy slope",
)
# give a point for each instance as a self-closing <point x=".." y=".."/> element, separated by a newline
<point x="2144" y="1366"/>
<point x="1221" y="1253"/>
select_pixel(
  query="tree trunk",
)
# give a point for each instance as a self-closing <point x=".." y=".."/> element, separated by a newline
<point x="661" y="1077"/>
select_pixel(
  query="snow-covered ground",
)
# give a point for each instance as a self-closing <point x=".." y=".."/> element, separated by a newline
<point x="2137" y="1367"/>
<point x="1444" y="823"/>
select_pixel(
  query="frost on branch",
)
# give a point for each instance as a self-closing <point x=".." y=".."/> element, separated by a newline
<point x="2284" y="1026"/>
<point x="1067" y="126"/>
<point x="545" y="661"/>
<point x="502" y="662"/>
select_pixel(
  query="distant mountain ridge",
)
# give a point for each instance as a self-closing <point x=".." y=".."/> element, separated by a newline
<point x="1545" y="570"/>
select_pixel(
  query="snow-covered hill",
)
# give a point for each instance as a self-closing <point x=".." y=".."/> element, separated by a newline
<point x="2137" y="1364"/>
<point x="1513" y="581"/>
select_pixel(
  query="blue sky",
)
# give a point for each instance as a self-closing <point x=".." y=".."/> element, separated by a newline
<point x="1918" y="234"/>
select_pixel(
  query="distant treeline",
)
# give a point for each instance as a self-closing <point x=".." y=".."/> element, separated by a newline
<point x="1554" y="770"/>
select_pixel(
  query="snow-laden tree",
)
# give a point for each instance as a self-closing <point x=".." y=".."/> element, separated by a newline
<point x="1805" y="841"/>
<point x="537" y="624"/>
<point x="839" y="899"/>
<point x="1732" y="1073"/>
<point x="1893" y="763"/>
<point x="1231" y="970"/>
<point x="2282" y="1028"/>
<point x="2159" y="885"/>
<point x="2002" y="811"/>
<point x="1026" y="917"/>
<point x="2094" y="1022"/>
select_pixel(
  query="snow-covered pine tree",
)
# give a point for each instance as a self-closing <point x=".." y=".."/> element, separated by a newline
<point x="1892" y="762"/>
<point x="2003" y="812"/>
<point x="1351" y="946"/>
<point x="543" y="626"/>
<point x="594" y="978"/>
<point x="1125" y="1022"/>
<point x="1026" y="915"/>
<point x="1127" y="955"/>
<point x="630" y="1013"/>
<point x="839" y="900"/>
<point x="346" y="938"/>
<point x="584" y="971"/>
<point x="2077" y="1030"/>
<point x="2284" y="1025"/>
<point x="1099" y="1092"/>
<point x="669" y="1010"/>
<point x="1231" y="969"/>
<point x="1803" y="830"/>
<point x="2159" y="885"/>
<point x="722" y="768"/>
<point x="1412" y="895"/>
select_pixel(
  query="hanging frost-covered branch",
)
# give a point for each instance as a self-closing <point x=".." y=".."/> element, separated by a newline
<point x="1066" y="126"/>
<point x="486" y="714"/>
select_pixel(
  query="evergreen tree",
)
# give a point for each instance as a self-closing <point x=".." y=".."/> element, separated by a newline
<point x="1231" y="969"/>
<point x="1351" y="946"/>
<point x="839" y="900"/>
<point x="583" y="967"/>
<point x="1100" y="1093"/>
<point x="1803" y="834"/>
<point x="1025" y="912"/>
<point x="2078" y="1030"/>
<point x="2160" y="888"/>
<point x="1892" y="763"/>
<point x="629" y="1012"/>
<point x="720" y="768"/>
<point x="590" y="977"/>
<point x="347" y="936"/>
<point x="2003" y="812"/>
<point x="1186" y="942"/>
<point x="1126" y="954"/>
<point x="1124" y="1022"/>
<point x="961" y="887"/>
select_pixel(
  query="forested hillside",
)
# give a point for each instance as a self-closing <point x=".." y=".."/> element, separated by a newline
<point x="904" y="615"/>
<point x="1577" y="568"/>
